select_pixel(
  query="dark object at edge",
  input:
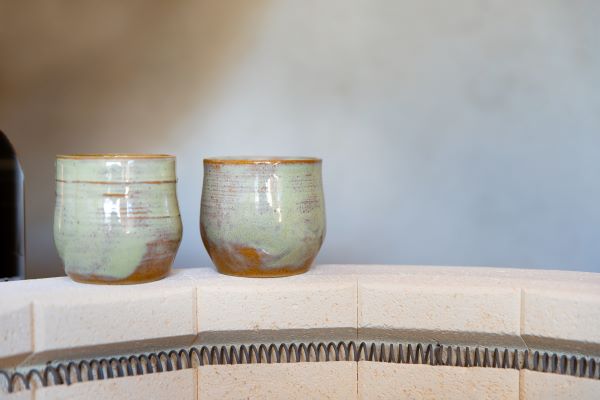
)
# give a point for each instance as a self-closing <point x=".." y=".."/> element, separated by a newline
<point x="12" y="217"/>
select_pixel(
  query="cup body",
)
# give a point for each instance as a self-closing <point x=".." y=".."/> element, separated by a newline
<point x="116" y="218"/>
<point x="264" y="216"/>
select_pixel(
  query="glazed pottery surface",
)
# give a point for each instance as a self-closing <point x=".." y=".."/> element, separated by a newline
<point x="262" y="216"/>
<point x="116" y="218"/>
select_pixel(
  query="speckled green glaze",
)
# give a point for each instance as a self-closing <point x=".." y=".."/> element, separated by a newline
<point x="116" y="217"/>
<point x="262" y="216"/>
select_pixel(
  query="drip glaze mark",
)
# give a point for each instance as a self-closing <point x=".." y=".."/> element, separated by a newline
<point x="153" y="217"/>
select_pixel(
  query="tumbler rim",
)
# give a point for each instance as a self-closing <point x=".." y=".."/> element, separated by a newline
<point x="261" y="160"/>
<point x="110" y="156"/>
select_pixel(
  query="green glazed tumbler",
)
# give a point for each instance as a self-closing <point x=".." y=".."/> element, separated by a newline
<point x="262" y="216"/>
<point x="116" y="218"/>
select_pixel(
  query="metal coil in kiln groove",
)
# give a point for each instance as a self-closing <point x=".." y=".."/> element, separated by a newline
<point x="458" y="356"/>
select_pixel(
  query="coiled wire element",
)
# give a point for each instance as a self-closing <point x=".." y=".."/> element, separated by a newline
<point x="457" y="356"/>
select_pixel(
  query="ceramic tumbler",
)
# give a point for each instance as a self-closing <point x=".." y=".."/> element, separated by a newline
<point x="262" y="216"/>
<point x="116" y="217"/>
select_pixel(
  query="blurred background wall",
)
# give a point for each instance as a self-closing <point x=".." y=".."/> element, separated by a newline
<point x="461" y="132"/>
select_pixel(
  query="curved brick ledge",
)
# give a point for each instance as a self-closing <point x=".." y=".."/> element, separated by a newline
<point x="50" y="320"/>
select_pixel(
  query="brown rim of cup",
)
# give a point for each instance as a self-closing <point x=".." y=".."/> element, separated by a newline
<point x="110" y="156"/>
<point x="261" y="160"/>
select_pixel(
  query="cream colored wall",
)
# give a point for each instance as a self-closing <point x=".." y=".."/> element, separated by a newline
<point x="463" y="132"/>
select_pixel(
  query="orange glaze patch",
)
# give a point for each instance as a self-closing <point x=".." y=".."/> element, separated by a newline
<point x="250" y="256"/>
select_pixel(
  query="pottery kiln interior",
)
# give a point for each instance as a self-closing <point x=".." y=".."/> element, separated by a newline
<point x="366" y="332"/>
